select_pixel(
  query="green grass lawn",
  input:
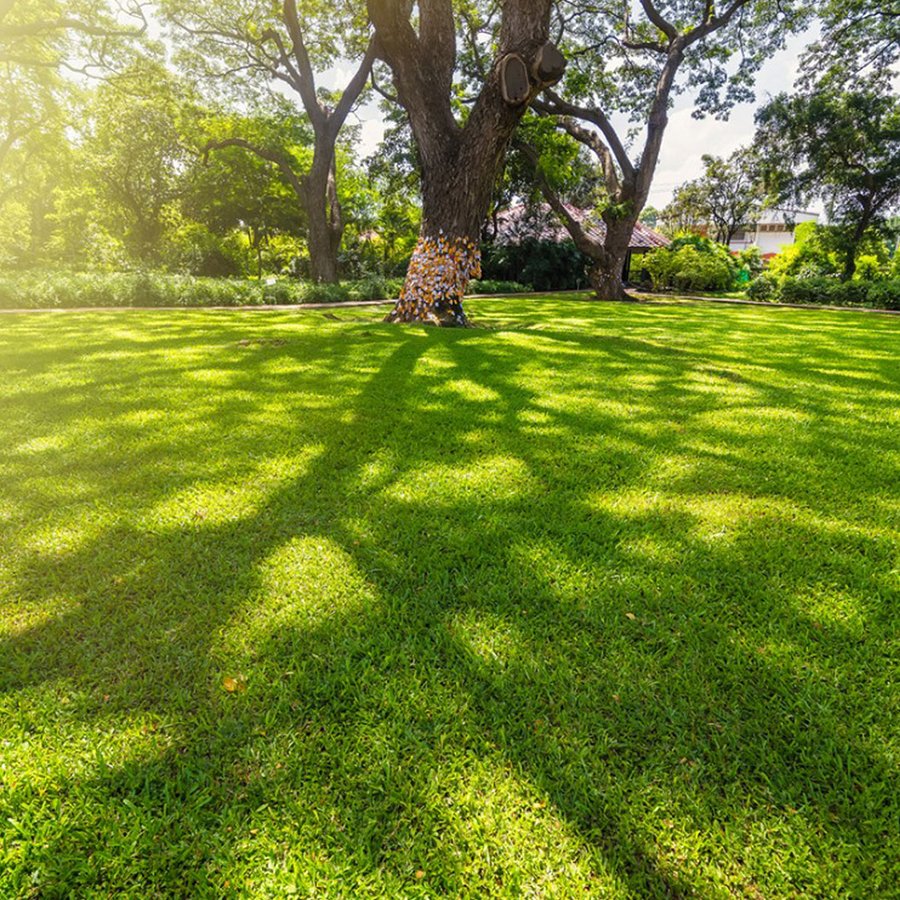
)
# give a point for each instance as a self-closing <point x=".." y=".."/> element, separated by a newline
<point x="596" y="601"/>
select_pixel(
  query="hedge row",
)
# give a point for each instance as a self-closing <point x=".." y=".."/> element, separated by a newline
<point x="824" y="291"/>
<point x="61" y="290"/>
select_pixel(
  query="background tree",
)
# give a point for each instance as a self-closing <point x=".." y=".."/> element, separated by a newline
<point x="40" y="41"/>
<point x="840" y="147"/>
<point x="460" y="153"/>
<point x="235" y="192"/>
<point x="650" y="216"/>
<point x="393" y="173"/>
<point x="860" y="39"/>
<point x="243" y="47"/>
<point x="635" y="63"/>
<point x="136" y="151"/>
<point x="728" y="195"/>
<point x="686" y="211"/>
<point x="91" y="37"/>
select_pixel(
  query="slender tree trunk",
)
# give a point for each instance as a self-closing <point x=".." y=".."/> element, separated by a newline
<point x="849" y="263"/>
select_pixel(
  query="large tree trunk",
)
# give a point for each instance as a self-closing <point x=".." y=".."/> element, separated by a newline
<point x="326" y="225"/>
<point x="459" y="163"/>
<point x="608" y="263"/>
<point x="456" y="195"/>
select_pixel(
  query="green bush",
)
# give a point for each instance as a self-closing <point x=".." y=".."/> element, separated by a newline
<point x="661" y="265"/>
<point x="487" y="286"/>
<point x="376" y="287"/>
<point x="763" y="287"/>
<point x="869" y="267"/>
<point x="691" y="263"/>
<point x="806" y="290"/>
<point x="885" y="294"/>
<point x="326" y="293"/>
<point x="540" y="265"/>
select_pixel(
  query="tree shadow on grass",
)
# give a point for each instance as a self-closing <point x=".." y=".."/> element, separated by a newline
<point x="509" y="626"/>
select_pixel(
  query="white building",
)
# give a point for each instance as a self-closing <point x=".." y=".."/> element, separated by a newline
<point x="773" y="231"/>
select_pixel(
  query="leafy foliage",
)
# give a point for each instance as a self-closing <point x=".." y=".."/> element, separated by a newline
<point x="842" y="147"/>
<point x="691" y="263"/>
<point x="728" y="194"/>
<point x="544" y="265"/>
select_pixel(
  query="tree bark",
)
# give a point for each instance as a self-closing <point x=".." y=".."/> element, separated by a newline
<point x="608" y="262"/>
<point x="323" y="209"/>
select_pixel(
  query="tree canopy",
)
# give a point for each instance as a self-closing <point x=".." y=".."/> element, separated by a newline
<point x="842" y="147"/>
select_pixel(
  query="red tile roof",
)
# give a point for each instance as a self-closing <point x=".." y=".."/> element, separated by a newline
<point x="520" y="222"/>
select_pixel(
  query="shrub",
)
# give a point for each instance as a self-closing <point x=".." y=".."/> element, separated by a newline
<point x="870" y="268"/>
<point x="848" y="293"/>
<point x="661" y="266"/>
<point x="700" y="271"/>
<point x="326" y="293"/>
<point x="373" y="287"/>
<point x="885" y="294"/>
<point x="750" y="260"/>
<point x="805" y="290"/>
<point x="763" y="287"/>
<point x="692" y="263"/>
<point x="541" y="265"/>
<point x="486" y="286"/>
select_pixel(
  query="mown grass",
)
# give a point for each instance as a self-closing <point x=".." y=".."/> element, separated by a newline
<point x="597" y="600"/>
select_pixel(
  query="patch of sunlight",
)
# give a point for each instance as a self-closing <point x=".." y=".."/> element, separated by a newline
<point x="58" y="539"/>
<point x="534" y="416"/>
<point x="210" y="376"/>
<point x="373" y="474"/>
<point x="829" y="607"/>
<point x="89" y="749"/>
<point x="535" y="342"/>
<point x="471" y="390"/>
<point x="18" y="616"/>
<point x="491" y="638"/>
<point x="561" y="573"/>
<point x="146" y="416"/>
<point x="650" y="549"/>
<point x="498" y="478"/>
<point x="637" y="502"/>
<point x="669" y="469"/>
<point x="435" y="361"/>
<point x="493" y="811"/>
<point x="209" y="504"/>
<point x="42" y="444"/>
<point x="305" y="583"/>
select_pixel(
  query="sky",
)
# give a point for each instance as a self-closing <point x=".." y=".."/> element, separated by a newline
<point x="686" y="139"/>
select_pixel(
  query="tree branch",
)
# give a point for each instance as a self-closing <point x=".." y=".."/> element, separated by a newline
<point x="306" y="83"/>
<point x="654" y="15"/>
<point x="272" y="156"/>
<point x="354" y="88"/>
<point x="593" y="140"/>
<point x="573" y="226"/>
<point x="560" y="107"/>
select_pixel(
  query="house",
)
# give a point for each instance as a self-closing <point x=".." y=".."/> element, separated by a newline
<point x="520" y="223"/>
<point x="773" y="230"/>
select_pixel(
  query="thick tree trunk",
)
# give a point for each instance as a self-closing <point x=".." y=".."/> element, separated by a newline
<point x="608" y="262"/>
<point x="455" y="199"/>
<point x="459" y="163"/>
<point x="606" y="279"/>
<point x="326" y="226"/>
